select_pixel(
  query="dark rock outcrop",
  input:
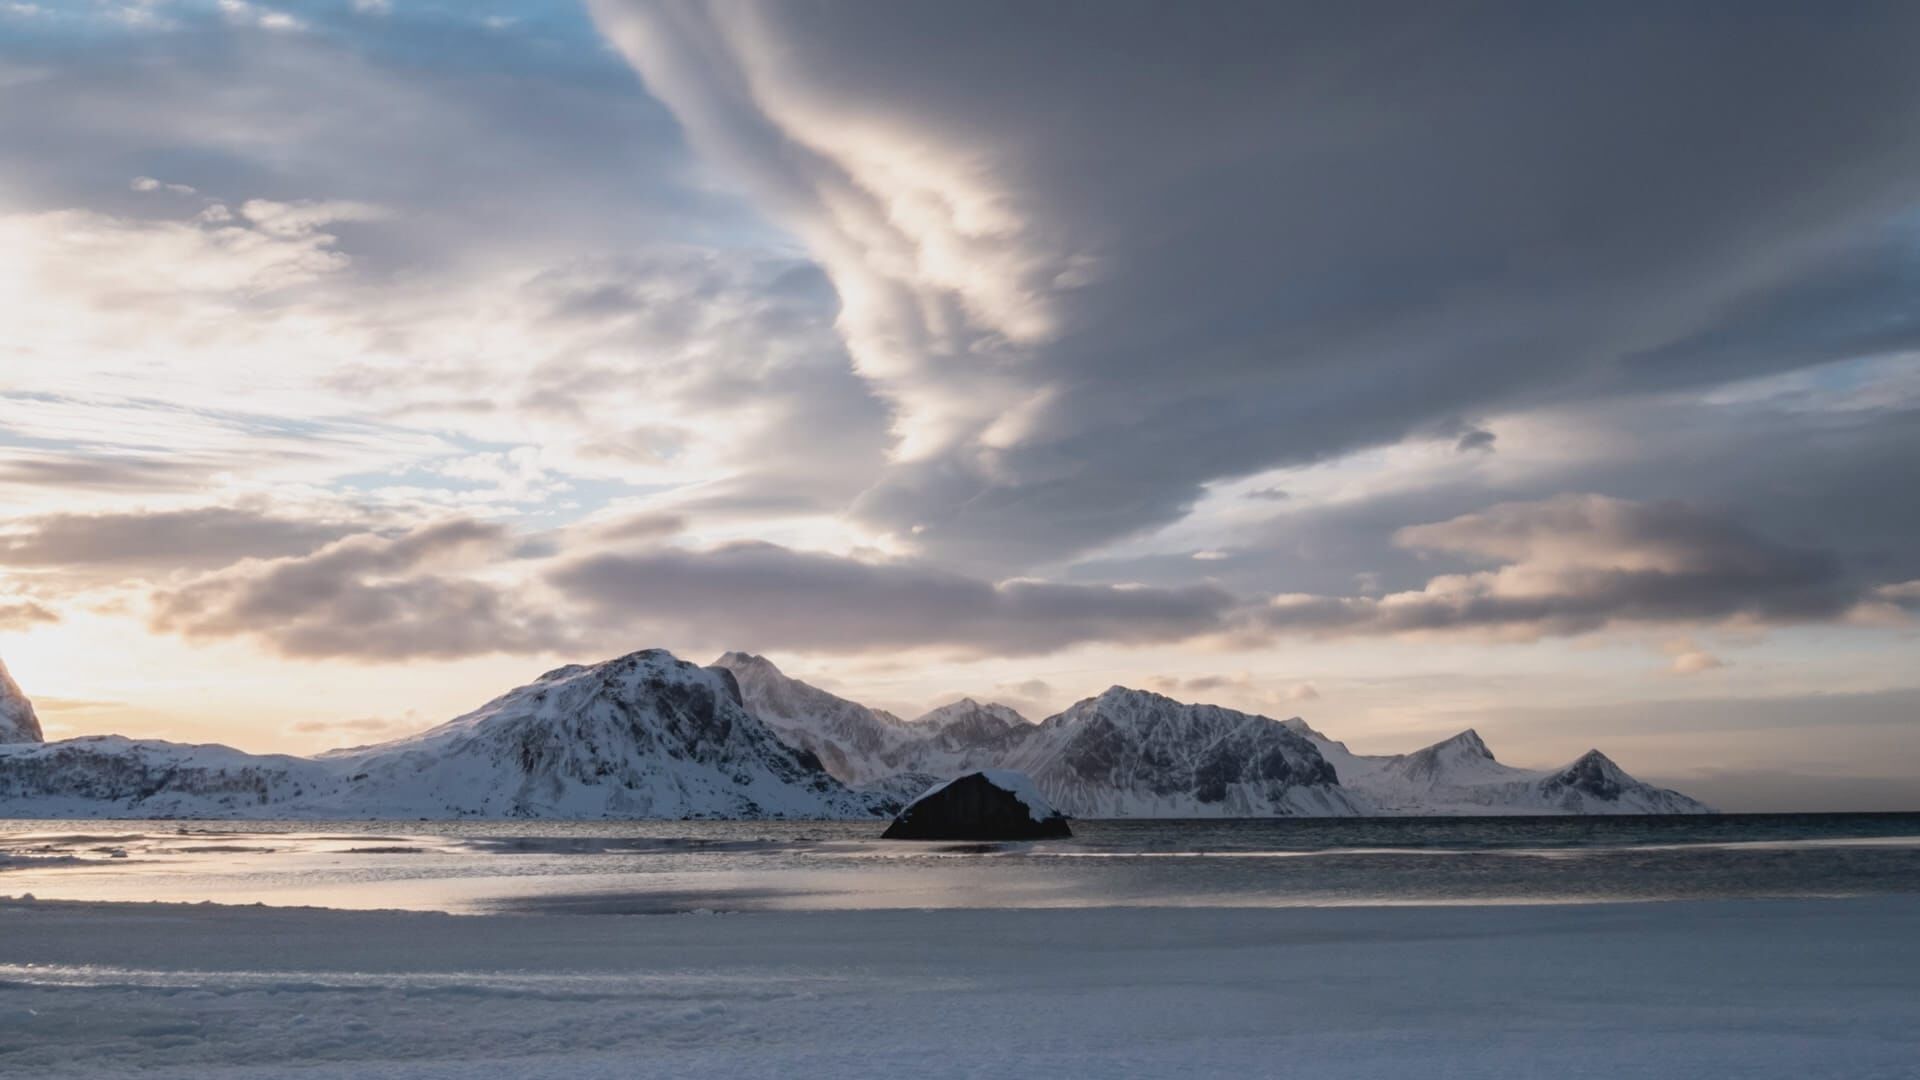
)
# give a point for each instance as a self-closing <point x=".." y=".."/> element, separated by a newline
<point x="992" y="804"/>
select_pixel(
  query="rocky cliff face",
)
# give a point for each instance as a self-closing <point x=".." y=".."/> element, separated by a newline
<point x="1129" y="753"/>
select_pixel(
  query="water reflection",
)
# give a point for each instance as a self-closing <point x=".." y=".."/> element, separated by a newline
<point x="657" y="867"/>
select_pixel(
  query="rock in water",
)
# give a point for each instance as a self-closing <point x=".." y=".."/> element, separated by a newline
<point x="990" y="804"/>
<point x="17" y="722"/>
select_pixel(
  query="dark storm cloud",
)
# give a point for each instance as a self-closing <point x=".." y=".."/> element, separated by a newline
<point x="369" y="597"/>
<point x="1362" y="220"/>
<point x="762" y="596"/>
<point x="199" y="537"/>
<point x="1575" y="564"/>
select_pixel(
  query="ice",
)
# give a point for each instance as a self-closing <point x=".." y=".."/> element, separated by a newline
<point x="1709" y="989"/>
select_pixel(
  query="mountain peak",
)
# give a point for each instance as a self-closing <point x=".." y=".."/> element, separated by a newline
<point x="739" y="662"/>
<point x="1299" y="726"/>
<point x="1469" y="742"/>
<point x="1117" y="692"/>
<point x="18" y="724"/>
<point x="1593" y="763"/>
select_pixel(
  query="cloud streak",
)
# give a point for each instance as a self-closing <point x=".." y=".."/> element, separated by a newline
<point x="1578" y="563"/>
<point x="368" y="597"/>
<point x="763" y="596"/>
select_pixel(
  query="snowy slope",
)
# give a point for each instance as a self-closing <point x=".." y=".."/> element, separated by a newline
<point x="852" y="741"/>
<point x="871" y="748"/>
<point x="1459" y="775"/>
<point x="1130" y="753"/>
<point x="644" y="735"/>
<point x="18" y="724"/>
<point x="112" y="776"/>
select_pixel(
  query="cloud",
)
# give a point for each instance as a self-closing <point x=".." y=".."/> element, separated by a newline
<point x="1351" y="230"/>
<point x="1578" y="563"/>
<point x="364" y="725"/>
<point x="112" y="472"/>
<point x="368" y="597"/>
<point x="1693" y="663"/>
<point x="148" y="183"/>
<point x="1305" y="691"/>
<point x="1689" y="658"/>
<point x="766" y="597"/>
<point x="1477" y="440"/>
<point x="23" y="616"/>
<point x="1905" y="593"/>
<point x="243" y="13"/>
<point x="193" y="538"/>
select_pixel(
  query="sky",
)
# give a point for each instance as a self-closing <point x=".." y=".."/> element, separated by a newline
<point x="1547" y="369"/>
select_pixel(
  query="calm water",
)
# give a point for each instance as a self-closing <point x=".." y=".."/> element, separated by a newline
<point x="658" y="867"/>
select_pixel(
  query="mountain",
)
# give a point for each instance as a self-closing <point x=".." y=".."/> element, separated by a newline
<point x="1126" y="753"/>
<point x="852" y="741"/>
<point x="1130" y="753"/>
<point x="112" y="776"/>
<point x="649" y="736"/>
<point x="1459" y="775"/>
<point x="872" y="748"/>
<point x="644" y="735"/>
<point x="18" y="724"/>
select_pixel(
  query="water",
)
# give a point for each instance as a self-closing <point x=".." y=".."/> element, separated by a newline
<point x="660" y="867"/>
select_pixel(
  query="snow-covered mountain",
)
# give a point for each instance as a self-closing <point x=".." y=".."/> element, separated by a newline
<point x="1459" y="775"/>
<point x="1126" y="753"/>
<point x="18" y="724"/>
<point x="650" y="736"/>
<point x="1130" y="753"/>
<point x="644" y="735"/>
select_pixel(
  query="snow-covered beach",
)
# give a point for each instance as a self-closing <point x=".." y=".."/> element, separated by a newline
<point x="1797" y="988"/>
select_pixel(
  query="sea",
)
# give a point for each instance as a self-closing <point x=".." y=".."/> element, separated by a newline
<point x="666" y="867"/>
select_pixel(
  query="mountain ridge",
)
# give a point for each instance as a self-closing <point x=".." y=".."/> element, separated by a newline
<point x="1457" y="775"/>
<point x="647" y="735"/>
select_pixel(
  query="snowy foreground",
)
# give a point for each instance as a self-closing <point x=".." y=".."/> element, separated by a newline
<point x="1797" y="988"/>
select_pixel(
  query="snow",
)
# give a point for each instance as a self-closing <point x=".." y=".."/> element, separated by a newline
<point x="1459" y="775"/>
<point x="1800" y="989"/>
<point x="18" y="724"/>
